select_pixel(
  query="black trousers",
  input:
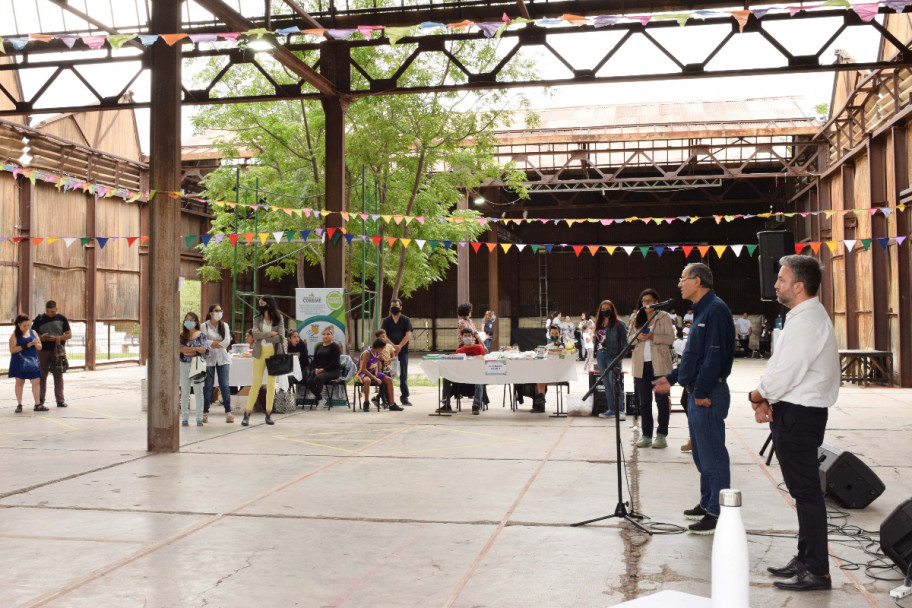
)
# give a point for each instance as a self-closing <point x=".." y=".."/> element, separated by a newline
<point x="315" y="382"/>
<point x="797" y="433"/>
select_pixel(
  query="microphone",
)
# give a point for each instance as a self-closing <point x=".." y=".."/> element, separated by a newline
<point x="659" y="305"/>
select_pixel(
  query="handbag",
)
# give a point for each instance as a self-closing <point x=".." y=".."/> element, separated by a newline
<point x="279" y="365"/>
<point x="284" y="401"/>
<point x="60" y="364"/>
<point x="197" y="369"/>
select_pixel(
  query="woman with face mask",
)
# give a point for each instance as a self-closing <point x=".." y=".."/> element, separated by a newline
<point x="651" y="359"/>
<point x="610" y="340"/>
<point x="464" y="311"/>
<point x="218" y="361"/>
<point x="193" y="343"/>
<point x="268" y="334"/>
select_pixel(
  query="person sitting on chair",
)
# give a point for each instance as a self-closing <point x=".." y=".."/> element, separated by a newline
<point x="472" y="349"/>
<point x="369" y="373"/>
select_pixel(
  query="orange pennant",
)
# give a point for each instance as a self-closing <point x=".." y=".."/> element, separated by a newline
<point x="170" y="39"/>
<point x="741" y="17"/>
<point x="491" y="246"/>
<point x="703" y="249"/>
<point x="593" y="249"/>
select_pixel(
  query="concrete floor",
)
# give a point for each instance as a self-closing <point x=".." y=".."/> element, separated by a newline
<point x="334" y="508"/>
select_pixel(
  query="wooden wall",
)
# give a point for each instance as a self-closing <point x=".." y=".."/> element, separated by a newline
<point x="9" y="253"/>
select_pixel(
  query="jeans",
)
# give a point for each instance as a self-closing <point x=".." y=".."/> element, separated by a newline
<point x="186" y="386"/>
<point x="45" y="358"/>
<point x="487" y="344"/>
<point x="797" y="433"/>
<point x="643" y="388"/>
<point x="403" y="375"/>
<point x="478" y="399"/>
<point x="707" y="439"/>
<point x="609" y="379"/>
<point x="222" y="372"/>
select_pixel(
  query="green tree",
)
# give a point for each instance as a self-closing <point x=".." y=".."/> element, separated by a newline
<point x="420" y="154"/>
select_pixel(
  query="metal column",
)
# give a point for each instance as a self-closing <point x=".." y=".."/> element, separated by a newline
<point x="462" y="261"/>
<point x="335" y="66"/>
<point x="164" y="254"/>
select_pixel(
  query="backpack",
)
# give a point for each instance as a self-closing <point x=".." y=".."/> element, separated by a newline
<point x="348" y="369"/>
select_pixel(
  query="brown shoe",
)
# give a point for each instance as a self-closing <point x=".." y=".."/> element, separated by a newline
<point x="40" y="408"/>
<point x="686" y="446"/>
<point x="205" y="416"/>
<point x="229" y="417"/>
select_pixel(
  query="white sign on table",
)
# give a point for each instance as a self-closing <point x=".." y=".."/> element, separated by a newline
<point x="495" y="368"/>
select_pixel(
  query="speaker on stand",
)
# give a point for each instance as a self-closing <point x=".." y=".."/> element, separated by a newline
<point x="773" y="245"/>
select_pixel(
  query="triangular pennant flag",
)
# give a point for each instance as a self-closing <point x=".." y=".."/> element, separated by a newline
<point x="703" y="249"/>
<point x="249" y="236"/>
<point x="741" y="17"/>
<point x="233" y="238"/>
<point x="644" y="249"/>
<point x="94" y="42"/>
<point x="628" y="249"/>
<point x="118" y="40"/>
<point x="263" y="236"/>
<point x="432" y="245"/>
<point x="534" y="248"/>
<point x="476" y="246"/>
<point x="549" y="248"/>
<point x="866" y="11"/>
<point x="520" y="247"/>
<point x="720" y="249"/>
<point x="391" y="241"/>
<point x="799" y="247"/>
<point x="610" y="249"/>
<point x="606" y="222"/>
<point x="289" y="235"/>
<point x="420" y="243"/>
<point x="687" y="249"/>
<point x="832" y="246"/>
<point x="304" y="234"/>
<point x="849" y="244"/>
<point x="815" y="247"/>
<point x="278" y="235"/>
<point x="18" y="239"/>
<point x="349" y="238"/>
<point x="36" y="240"/>
<point x="447" y="244"/>
<point x="206" y="238"/>
<point x="101" y="241"/>
<point x="189" y="240"/>
<point x="398" y="219"/>
<point x="376" y="240"/>
<point x="736" y="249"/>
<point x="750" y="250"/>
<point x="405" y="242"/>
<point x="900" y="239"/>
<point x="330" y="232"/>
<point x="593" y="249"/>
<point x="883" y="242"/>
<point x="334" y="239"/>
<point x="866" y="243"/>
<point x="170" y="39"/>
<point x="52" y="240"/>
<point x="84" y="241"/>
<point x="578" y="249"/>
<point x="506" y="247"/>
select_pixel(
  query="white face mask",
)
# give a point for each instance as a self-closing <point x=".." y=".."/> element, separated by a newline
<point x="216" y="316"/>
<point x="468" y="341"/>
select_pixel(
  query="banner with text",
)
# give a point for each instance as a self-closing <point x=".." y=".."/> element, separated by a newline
<point x="316" y="309"/>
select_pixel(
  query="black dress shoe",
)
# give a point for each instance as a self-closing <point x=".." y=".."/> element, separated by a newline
<point x="246" y="420"/>
<point x="789" y="570"/>
<point x="806" y="581"/>
<point x="269" y="419"/>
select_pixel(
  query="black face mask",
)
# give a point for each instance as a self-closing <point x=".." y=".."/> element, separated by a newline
<point x="262" y="308"/>
<point x="555" y="339"/>
<point x="395" y="310"/>
<point x="605" y="312"/>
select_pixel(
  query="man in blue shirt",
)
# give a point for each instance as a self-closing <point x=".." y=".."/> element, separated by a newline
<point x="704" y="367"/>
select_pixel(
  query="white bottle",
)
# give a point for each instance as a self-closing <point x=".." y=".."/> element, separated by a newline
<point x="730" y="562"/>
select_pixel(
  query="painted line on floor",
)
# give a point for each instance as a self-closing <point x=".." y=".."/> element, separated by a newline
<point x="69" y="426"/>
<point x="85" y="409"/>
<point x="50" y="596"/>
<point x="788" y="499"/>
<point x="76" y="538"/>
<point x="503" y="522"/>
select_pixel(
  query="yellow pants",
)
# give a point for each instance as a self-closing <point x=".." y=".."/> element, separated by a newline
<point x="259" y="366"/>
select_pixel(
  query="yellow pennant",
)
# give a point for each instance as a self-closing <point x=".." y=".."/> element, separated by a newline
<point x="405" y="242"/>
<point x="693" y="220"/>
<point x="52" y="240"/>
<point x="506" y="246"/>
<point x="763" y="215"/>
<point x="387" y="218"/>
<point x="610" y="249"/>
<point x="720" y="249"/>
<point x="832" y="245"/>
<point x="263" y="236"/>
<point x="829" y="213"/>
<point x="324" y="212"/>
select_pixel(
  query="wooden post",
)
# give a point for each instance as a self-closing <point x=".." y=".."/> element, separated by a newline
<point x="851" y="296"/>
<point x="494" y="288"/>
<point x="903" y="257"/>
<point x="26" y="258"/>
<point x="335" y="65"/>
<point x="880" y="283"/>
<point x="164" y="249"/>
<point x="824" y="233"/>
<point x="91" y="283"/>
<point x="144" y="228"/>
<point x="462" y="262"/>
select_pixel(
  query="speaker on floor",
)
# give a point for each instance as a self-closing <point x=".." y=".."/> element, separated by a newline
<point x="773" y="245"/>
<point x="845" y="479"/>
<point x="896" y="536"/>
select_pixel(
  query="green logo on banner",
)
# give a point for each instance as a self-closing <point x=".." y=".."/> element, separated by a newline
<point x="334" y="300"/>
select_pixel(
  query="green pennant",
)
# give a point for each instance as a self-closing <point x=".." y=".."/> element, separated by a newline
<point x="433" y="245"/>
<point x="84" y="241"/>
<point x="644" y="249"/>
<point x="750" y="250"/>
<point x="865" y="243"/>
<point x="189" y="240"/>
<point x="289" y="234"/>
<point x="336" y="237"/>
<point x="117" y="40"/>
<point x="534" y="248"/>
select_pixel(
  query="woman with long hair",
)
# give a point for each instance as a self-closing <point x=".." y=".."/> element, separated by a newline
<point x="218" y="361"/>
<point x="651" y="359"/>
<point x="193" y="343"/>
<point x="610" y="340"/>
<point x="24" y="346"/>
<point x="268" y="336"/>
<point x="488" y="328"/>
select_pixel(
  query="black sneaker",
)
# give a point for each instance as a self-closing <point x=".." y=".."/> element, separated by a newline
<point x="395" y="408"/>
<point x="476" y="410"/>
<point x="704" y="527"/>
<point x="697" y="512"/>
<point x="405" y="401"/>
<point x="376" y="400"/>
<point x="59" y="404"/>
<point x="366" y="407"/>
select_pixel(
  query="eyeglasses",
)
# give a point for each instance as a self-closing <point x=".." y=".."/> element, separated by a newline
<point x="682" y="279"/>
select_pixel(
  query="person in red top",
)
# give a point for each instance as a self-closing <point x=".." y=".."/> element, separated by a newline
<point x="472" y="348"/>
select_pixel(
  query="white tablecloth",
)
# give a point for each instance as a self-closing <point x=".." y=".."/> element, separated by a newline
<point x="519" y="371"/>
<point x="241" y="373"/>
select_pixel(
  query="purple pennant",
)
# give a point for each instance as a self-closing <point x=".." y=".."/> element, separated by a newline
<point x="68" y="39"/>
<point x="319" y="231"/>
<point x="489" y="28"/>
<point x="218" y="238"/>
<point x="900" y="239"/>
<point x="462" y="243"/>
<point x="341" y="34"/>
<point x="604" y="20"/>
<point x="195" y="38"/>
<point x="759" y="13"/>
<point x="896" y="5"/>
<point x="886" y="211"/>
<point x="672" y="248"/>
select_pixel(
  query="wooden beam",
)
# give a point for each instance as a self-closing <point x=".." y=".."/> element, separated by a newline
<point x="903" y="255"/>
<point x="880" y="279"/>
<point x="238" y="23"/>
<point x="303" y="14"/>
<point x="851" y="296"/>
<point x="334" y="64"/>
<point x="493" y="287"/>
<point x="91" y="282"/>
<point x="26" y="255"/>
<point x="462" y="260"/>
<point x="163" y="379"/>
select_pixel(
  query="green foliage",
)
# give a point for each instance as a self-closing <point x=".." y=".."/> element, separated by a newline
<point x="823" y="111"/>
<point x="420" y="154"/>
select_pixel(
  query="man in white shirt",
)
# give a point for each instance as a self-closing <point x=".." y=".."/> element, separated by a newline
<point x="745" y="329"/>
<point x="800" y="384"/>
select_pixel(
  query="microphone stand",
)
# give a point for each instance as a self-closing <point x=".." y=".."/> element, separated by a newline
<point x="620" y="510"/>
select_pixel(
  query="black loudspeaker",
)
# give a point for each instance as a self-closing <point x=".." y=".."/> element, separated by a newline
<point x="896" y="536"/>
<point x="631" y="404"/>
<point x="773" y="245"/>
<point x="599" y="403"/>
<point x="846" y="479"/>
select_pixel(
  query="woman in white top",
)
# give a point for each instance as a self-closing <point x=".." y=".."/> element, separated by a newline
<point x="218" y="363"/>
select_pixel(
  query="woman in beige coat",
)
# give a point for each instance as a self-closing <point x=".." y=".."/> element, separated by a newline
<point x="652" y="359"/>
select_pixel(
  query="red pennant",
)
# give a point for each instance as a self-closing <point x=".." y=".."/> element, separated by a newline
<point x="476" y="246"/>
<point x="330" y="232"/>
<point x="491" y="246"/>
<point x="376" y="240"/>
<point x="799" y="247"/>
<point x="703" y="249"/>
<point x="131" y="240"/>
<point x="234" y="239"/>
<point x="578" y="249"/>
<point x="18" y="239"/>
<point x="687" y="249"/>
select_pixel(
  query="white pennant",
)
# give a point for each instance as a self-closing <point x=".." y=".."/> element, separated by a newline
<point x="849" y="244"/>
<point x="420" y="243"/>
<point x="737" y="249"/>
<point x="520" y="247"/>
<point x="628" y="249"/>
<point x="70" y="240"/>
<point x="278" y="236"/>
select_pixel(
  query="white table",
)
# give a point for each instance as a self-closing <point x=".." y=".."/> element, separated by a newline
<point x="241" y="373"/>
<point x="518" y="371"/>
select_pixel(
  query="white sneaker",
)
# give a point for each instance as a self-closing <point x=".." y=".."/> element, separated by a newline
<point x="322" y="404"/>
<point x="622" y="415"/>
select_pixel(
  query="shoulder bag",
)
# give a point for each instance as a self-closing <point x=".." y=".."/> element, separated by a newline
<point x="60" y="364"/>
<point x="280" y="364"/>
<point x="197" y="369"/>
